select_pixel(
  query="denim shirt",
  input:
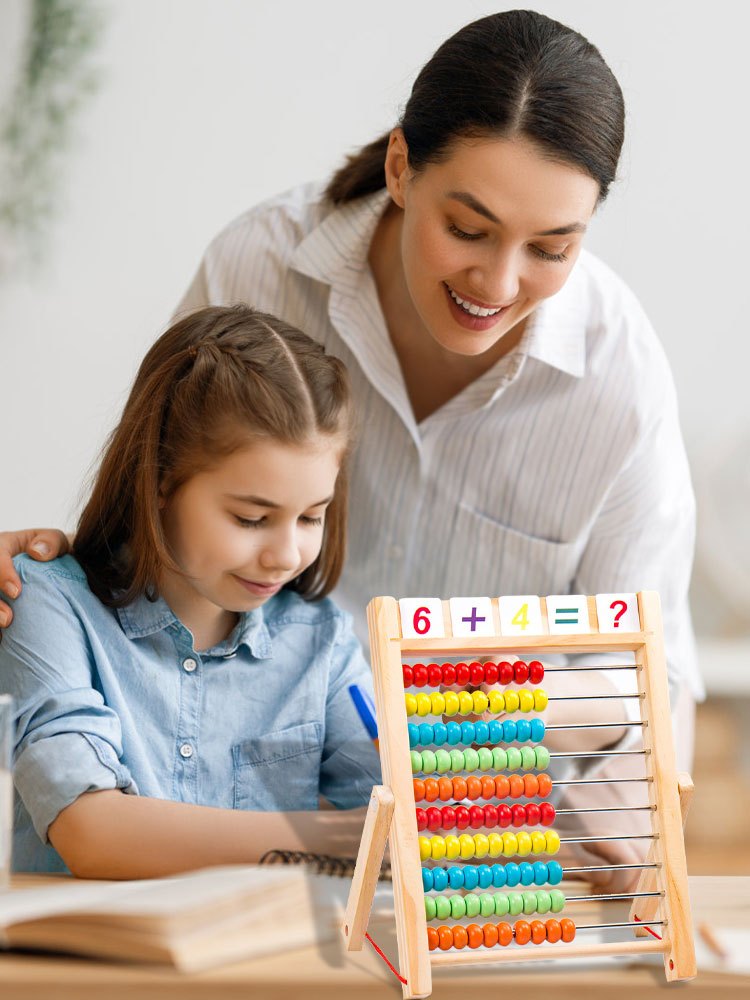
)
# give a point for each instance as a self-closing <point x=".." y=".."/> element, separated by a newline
<point x="119" y="698"/>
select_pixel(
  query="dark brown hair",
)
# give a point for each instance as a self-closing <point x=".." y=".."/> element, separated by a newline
<point x="216" y="379"/>
<point x="516" y="73"/>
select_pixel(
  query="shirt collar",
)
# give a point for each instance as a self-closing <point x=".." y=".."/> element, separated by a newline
<point x="144" y="617"/>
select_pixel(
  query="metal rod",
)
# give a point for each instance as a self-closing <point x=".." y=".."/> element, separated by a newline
<point x="618" y="666"/>
<point x="610" y="868"/>
<point x="590" y="697"/>
<point x="595" y="725"/>
<point x="599" y="753"/>
<point x="625" y="923"/>
<point x="618" y="895"/>
<point x="596" y="781"/>
<point x="596" y="840"/>
<point x="605" y="809"/>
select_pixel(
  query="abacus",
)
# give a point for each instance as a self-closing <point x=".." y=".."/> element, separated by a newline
<point x="465" y="864"/>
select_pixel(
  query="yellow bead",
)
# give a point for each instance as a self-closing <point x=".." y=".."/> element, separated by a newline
<point x="411" y="704"/>
<point x="510" y="844"/>
<point x="437" y="845"/>
<point x="553" y="841"/>
<point x="424" y="704"/>
<point x="425" y="849"/>
<point x="452" y="847"/>
<point x="467" y="846"/>
<point x="524" y="843"/>
<point x="451" y="703"/>
<point x="497" y="702"/>
<point x="538" y="842"/>
<point x="526" y="700"/>
<point x="496" y="845"/>
<point x="541" y="698"/>
<point x="512" y="701"/>
<point x="466" y="702"/>
<point x="481" y="845"/>
<point x="481" y="701"/>
<point x="438" y="703"/>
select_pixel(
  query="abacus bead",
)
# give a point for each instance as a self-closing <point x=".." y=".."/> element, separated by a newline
<point x="557" y="900"/>
<point x="491" y="673"/>
<point x="467" y="732"/>
<point x="410" y="700"/>
<point x="471" y="877"/>
<point x="496" y="845"/>
<point x="546" y="814"/>
<point x="419" y="675"/>
<point x="431" y="788"/>
<point x="452" y="704"/>
<point x="536" y="672"/>
<point x="445" y="789"/>
<point x="538" y="932"/>
<point x="554" y="932"/>
<point x="539" y="843"/>
<point x="434" y="674"/>
<point x="416" y="760"/>
<point x="475" y="935"/>
<point x="442" y="761"/>
<point x="495" y="728"/>
<point x="424" y="705"/>
<point x="481" y="702"/>
<point x="481" y="845"/>
<point x="486" y="905"/>
<point x="504" y="814"/>
<point x="540" y="700"/>
<point x="488" y="786"/>
<point x="463" y="817"/>
<point x="498" y="876"/>
<point x="515" y="783"/>
<point x="462" y="673"/>
<point x="512" y="874"/>
<point x="413" y="734"/>
<point x="542" y="757"/>
<point x="460" y="937"/>
<point x="518" y="814"/>
<point x="545" y="785"/>
<point x="448" y="817"/>
<point x="459" y="787"/>
<point x="476" y="817"/>
<point x="452" y="847"/>
<point x="523" y="730"/>
<point x="526" y="700"/>
<point x="537" y="730"/>
<point x="476" y="673"/>
<point x="505" y="672"/>
<point x="473" y="787"/>
<point x="449" y="674"/>
<point x="490" y="815"/>
<point x="529" y="902"/>
<point x="484" y="873"/>
<point x="501" y="904"/>
<point x="499" y="758"/>
<point x="427" y="879"/>
<point x="510" y="730"/>
<point x="445" y="938"/>
<point x="522" y="931"/>
<point x="425" y="850"/>
<point x="465" y="703"/>
<point x="490" y="935"/>
<point x="421" y="819"/>
<point x="429" y="761"/>
<point x="530" y="785"/>
<point x="467" y="846"/>
<point x="456" y="877"/>
<point x="515" y="903"/>
<point x="510" y="845"/>
<point x="430" y="907"/>
<point x="418" y="786"/>
<point x="504" y="933"/>
<point x="485" y="758"/>
<point x="433" y="938"/>
<point x="568" y="929"/>
<point x="533" y="814"/>
<point x="472" y="904"/>
<point x="440" y="879"/>
<point x="457" y="759"/>
<point x="502" y="786"/>
<point x="540" y="873"/>
<point x="543" y="901"/>
<point x="514" y="758"/>
<point x="408" y="675"/>
<point x="527" y="873"/>
<point x="471" y="757"/>
<point x="554" y="872"/>
<point x="496" y="701"/>
<point x="525" y="843"/>
<point x="520" y="672"/>
<point x="439" y="733"/>
<point x="528" y="758"/>
<point x="511" y="701"/>
<point x="437" y="702"/>
<point x="458" y="907"/>
<point x="437" y="847"/>
<point x="481" y="731"/>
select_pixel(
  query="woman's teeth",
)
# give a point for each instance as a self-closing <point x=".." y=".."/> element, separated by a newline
<point x="469" y="307"/>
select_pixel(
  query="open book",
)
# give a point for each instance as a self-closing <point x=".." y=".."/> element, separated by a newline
<point x="191" y="921"/>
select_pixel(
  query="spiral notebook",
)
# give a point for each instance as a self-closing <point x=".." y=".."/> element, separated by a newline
<point x="321" y="864"/>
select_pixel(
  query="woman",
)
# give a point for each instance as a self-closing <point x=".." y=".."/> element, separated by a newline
<point x="519" y="423"/>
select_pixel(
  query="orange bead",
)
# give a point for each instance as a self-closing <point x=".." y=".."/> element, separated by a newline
<point x="502" y="786"/>
<point x="488" y="786"/>
<point x="491" y="935"/>
<point x="445" y="937"/>
<point x="538" y="932"/>
<point x="545" y="785"/>
<point x="433" y="938"/>
<point x="522" y="931"/>
<point x="476" y="937"/>
<point x="516" y="785"/>
<point x="473" y="787"/>
<point x="504" y="933"/>
<point x="554" y="932"/>
<point x="418" y="789"/>
<point x="530" y="785"/>
<point x="459" y="787"/>
<point x="460" y="937"/>
<point x="445" y="789"/>
<point x="430" y="789"/>
<point x="568" y="929"/>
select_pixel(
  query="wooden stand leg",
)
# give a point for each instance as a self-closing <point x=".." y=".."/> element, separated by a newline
<point x="367" y="869"/>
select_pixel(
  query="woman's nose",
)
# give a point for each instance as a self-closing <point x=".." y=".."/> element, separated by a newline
<point x="498" y="282"/>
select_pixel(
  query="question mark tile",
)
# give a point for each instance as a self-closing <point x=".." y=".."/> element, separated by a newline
<point x="618" y="613"/>
<point x="568" y="614"/>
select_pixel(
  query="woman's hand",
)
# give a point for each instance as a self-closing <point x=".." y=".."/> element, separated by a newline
<point x="42" y="544"/>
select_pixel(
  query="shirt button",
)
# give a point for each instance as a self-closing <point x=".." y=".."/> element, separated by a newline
<point x="189" y="664"/>
<point x="186" y="750"/>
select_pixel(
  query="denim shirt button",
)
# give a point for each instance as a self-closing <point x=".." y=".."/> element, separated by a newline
<point x="189" y="664"/>
<point x="186" y="750"/>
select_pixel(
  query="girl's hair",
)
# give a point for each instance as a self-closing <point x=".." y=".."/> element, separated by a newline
<point x="216" y="379"/>
<point x="517" y="73"/>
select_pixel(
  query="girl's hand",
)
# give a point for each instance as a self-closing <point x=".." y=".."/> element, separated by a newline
<point x="42" y="544"/>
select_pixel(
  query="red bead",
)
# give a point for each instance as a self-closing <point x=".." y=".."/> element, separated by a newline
<point x="434" y="818"/>
<point x="420" y="675"/>
<point x="476" y="814"/>
<point x="536" y="672"/>
<point x="520" y="672"/>
<point x="491" y="673"/>
<point x="434" y="674"/>
<point x="547" y="813"/>
<point x="490" y="815"/>
<point x="462" y="674"/>
<point x="476" y="673"/>
<point x="505" y="672"/>
<point x="408" y="675"/>
<point x="449" y="674"/>
<point x="533" y="814"/>
<point x="504" y="815"/>
<point x="462" y="817"/>
<point x="421" y="819"/>
<point x="519" y="814"/>
<point x="449" y="817"/>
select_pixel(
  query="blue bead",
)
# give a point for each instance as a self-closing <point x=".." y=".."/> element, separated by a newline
<point x="427" y="879"/>
<point x="413" y="735"/>
<point x="498" y="876"/>
<point x="439" y="733"/>
<point x="425" y="734"/>
<point x="439" y="879"/>
<point x="527" y="873"/>
<point x="481" y="731"/>
<point x="467" y="732"/>
<point x="454" y="732"/>
<point x="512" y="874"/>
<point x="541" y="876"/>
<point x="523" y="730"/>
<point x="509" y="731"/>
<point x="537" y="730"/>
<point x="485" y="876"/>
<point x="471" y="878"/>
<point x="554" y="872"/>
<point x="496" y="731"/>
<point x="456" y="877"/>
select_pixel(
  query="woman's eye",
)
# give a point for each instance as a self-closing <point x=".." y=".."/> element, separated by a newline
<point x="452" y="228"/>
<point x="546" y="255"/>
<point x="311" y="520"/>
<point x="247" y="522"/>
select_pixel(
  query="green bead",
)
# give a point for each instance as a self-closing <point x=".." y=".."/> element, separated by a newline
<point x="499" y="758"/>
<point x="542" y="757"/>
<point x="472" y="904"/>
<point x="485" y="758"/>
<point x="471" y="757"/>
<point x="557" y="900"/>
<point x="486" y="905"/>
<point x="428" y="761"/>
<point x="529" y="902"/>
<point x="501" y="904"/>
<point x="457" y="760"/>
<point x="543" y="901"/>
<point x="429" y="907"/>
<point x="442" y="761"/>
<point x="515" y="903"/>
<point x="442" y="907"/>
<point x="528" y="758"/>
<point x="514" y="758"/>
<point x="416" y="761"/>
<point x="458" y="907"/>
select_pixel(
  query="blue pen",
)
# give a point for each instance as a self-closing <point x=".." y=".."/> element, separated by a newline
<point x="366" y="710"/>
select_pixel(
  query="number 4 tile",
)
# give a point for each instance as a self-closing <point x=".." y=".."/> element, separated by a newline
<point x="521" y="615"/>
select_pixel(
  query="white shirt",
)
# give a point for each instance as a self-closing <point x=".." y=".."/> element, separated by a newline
<point x="561" y="470"/>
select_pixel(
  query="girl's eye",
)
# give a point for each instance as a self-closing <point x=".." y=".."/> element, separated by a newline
<point x="247" y="522"/>
<point x="452" y="228"/>
<point x="311" y="520"/>
<point x="546" y="255"/>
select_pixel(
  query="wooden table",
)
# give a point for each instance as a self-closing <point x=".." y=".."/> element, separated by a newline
<point x="329" y="973"/>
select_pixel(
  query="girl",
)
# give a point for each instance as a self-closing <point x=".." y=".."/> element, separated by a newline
<point x="181" y="679"/>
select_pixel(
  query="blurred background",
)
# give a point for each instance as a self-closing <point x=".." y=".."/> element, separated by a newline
<point x="130" y="133"/>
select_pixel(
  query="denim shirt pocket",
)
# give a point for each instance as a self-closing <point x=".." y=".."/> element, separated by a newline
<point x="279" y="771"/>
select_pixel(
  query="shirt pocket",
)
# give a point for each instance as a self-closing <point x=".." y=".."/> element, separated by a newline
<point x="279" y="771"/>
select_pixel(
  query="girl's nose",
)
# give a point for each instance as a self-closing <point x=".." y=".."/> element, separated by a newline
<point x="281" y="552"/>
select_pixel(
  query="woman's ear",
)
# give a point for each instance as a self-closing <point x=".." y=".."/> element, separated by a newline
<point x="397" y="171"/>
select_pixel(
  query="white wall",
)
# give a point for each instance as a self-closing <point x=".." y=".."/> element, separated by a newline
<point x="208" y="106"/>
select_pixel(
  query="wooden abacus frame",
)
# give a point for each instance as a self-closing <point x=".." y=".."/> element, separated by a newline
<point x="392" y="809"/>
